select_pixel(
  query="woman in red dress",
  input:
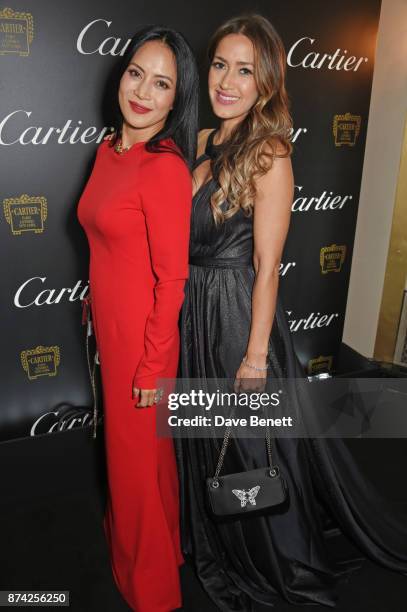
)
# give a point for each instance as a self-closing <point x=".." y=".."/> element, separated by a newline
<point x="135" y="210"/>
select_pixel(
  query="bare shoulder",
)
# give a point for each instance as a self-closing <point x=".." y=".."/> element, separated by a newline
<point x="203" y="134"/>
<point x="202" y="138"/>
<point x="274" y="145"/>
<point x="280" y="174"/>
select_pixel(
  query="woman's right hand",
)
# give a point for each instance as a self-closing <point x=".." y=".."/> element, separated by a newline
<point x="248" y="379"/>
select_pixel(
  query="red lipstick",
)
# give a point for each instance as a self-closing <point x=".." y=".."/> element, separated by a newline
<point x="137" y="108"/>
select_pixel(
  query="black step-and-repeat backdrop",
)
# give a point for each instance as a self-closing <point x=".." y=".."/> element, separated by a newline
<point x="56" y="59"/>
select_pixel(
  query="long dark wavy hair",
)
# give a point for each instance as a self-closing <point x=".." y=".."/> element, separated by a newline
<point x="182" y="122"/>
<point x="252" y="145"/>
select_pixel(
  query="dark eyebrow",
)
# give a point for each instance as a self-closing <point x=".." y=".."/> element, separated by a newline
<point x="160" y="76"/>
<point x="240" y="63"/>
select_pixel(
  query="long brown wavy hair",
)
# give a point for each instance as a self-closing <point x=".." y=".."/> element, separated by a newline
<point x="252" y="145"/>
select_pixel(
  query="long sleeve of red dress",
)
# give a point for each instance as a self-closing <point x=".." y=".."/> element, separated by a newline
<point x="166" y="204"/>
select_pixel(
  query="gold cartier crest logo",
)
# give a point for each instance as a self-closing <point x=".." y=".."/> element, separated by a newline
<point x="320" y="364"/>
<point x="16" y="32"/>
<point x="41" y="361"/>
<point x="25" y="214"/>
<point x="346" y="129"/>
<point x="332" y="257"/>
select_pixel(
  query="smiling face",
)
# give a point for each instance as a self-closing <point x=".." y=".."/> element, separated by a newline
<point x="147" y="91"/>
<point x="231" y="82"/>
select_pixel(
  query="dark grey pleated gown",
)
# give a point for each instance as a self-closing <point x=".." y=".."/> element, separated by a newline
<point x="288" y="551"/>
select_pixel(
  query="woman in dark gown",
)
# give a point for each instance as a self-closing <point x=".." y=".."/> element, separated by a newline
<point x="288" y="551"/>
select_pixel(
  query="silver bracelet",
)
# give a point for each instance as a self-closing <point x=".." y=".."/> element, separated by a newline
<point x="249" y="365"/>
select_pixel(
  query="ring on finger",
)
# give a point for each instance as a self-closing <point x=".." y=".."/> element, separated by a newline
<point x="158" y="395"/>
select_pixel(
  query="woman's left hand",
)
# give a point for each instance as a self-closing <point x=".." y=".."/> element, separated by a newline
<point x="249" y="379"/>
<point x="146" y="397"/>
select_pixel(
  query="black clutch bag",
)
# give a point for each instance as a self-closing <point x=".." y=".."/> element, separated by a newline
<point x="245" y="492"/>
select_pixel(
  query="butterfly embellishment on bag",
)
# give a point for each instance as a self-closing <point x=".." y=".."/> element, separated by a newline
<point x="247" y="495"/>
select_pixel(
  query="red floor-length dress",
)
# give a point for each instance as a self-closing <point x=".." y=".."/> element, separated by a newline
<point x="135" y="210"/>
